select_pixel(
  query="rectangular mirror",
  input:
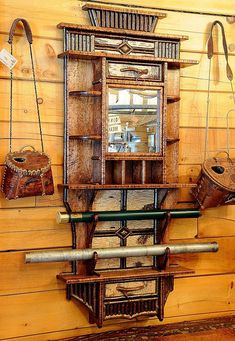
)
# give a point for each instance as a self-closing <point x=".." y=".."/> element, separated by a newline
<point x="134" y="120"/>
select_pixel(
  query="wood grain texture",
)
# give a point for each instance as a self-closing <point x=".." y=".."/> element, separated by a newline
<point x="48" y="67"/>
<point x="213" y="263"/>
<point x="24" y="102"/>
<point x="29" y="278"/>
<point x="29" y="312"/>
<point x="210" y="6"/>
<point x="119" y="325"/>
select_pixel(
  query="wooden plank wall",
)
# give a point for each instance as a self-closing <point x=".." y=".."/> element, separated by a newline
<point x="32" y="301"/>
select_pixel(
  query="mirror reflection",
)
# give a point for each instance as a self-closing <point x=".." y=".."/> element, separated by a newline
<point x="134" y="121"/>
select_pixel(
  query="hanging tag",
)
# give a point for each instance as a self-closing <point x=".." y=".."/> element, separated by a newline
<point x="7" y="59"/>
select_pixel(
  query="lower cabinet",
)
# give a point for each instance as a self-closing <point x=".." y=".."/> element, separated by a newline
<point x="123" y="293"/>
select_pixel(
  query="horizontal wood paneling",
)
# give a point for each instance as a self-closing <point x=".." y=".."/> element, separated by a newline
<point x="209" y="6"/>
<point x="18" y="277"/>
<point x="208" y="263"/>
<point x="24" y="107"/>
<point x="36" y="239"/>
<point x="48" y="66"/>
<point x="192" y="144"/>
<point x="44" y="21"/>
<point x="189" y="137"/>
<point x="29" y="312"/>
<point x="194" y="295"/>
<point x="29" y="276"/>
<point x="217" y="222"/>
<point x="119" y="325"/>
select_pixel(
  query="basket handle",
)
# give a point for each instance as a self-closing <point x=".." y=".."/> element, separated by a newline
<point x="210" y="47"/>
<point x="229" y="73"/>
<point x="215" y="157"/>
<point x="27" y="29"/>
<point x="27" y="145"/>
<point x="28" y="33"/>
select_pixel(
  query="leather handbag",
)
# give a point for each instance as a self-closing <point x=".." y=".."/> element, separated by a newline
<point x="27" y="172"/>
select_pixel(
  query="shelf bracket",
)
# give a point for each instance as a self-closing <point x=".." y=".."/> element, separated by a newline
<point x="163" y="260"/>
<point x="163" y="226"/>
<point x="92" y="228"/>
<point x="91" y="264"/>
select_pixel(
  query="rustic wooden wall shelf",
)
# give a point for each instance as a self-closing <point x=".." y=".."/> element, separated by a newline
<point x="121" y="132"/>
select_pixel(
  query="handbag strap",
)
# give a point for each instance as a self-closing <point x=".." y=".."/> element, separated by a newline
<point x="28" y="33"/>
<point x="229" y="73"/>
<point x="210" y="49"/>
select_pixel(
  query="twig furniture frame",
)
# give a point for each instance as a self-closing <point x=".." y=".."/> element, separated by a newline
<point x="121" y="132"/>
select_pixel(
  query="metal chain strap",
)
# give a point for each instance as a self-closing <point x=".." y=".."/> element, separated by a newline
<point x="11" y="98"/>
<point x="230" y="78"/>
<point x="36" y="98"/>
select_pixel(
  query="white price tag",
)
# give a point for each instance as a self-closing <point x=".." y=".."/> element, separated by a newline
<point x="7" y="59"/>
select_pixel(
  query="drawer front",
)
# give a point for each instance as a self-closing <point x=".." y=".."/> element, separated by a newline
<point x="127" y="289"/>
<point x="123" y="46"/>
<point x="145" y="72"/>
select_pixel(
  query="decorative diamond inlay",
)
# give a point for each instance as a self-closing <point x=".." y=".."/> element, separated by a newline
<point x="125" y="48"/>
<point x="123" y="232"/>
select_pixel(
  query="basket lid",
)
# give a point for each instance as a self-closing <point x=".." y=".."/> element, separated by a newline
<point x="221" y="171"/>
<point x="28" y="162"/>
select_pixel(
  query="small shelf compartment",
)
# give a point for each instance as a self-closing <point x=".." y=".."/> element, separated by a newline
<point x="153" y="172"/>
<point x="115" y="172"/>
<point x="136" y="172"/>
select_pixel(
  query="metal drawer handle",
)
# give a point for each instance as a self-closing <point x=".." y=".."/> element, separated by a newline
<point x="138" y="71"/>
<point x="125" y="290"/>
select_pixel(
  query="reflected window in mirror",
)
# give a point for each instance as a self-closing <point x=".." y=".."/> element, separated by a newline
<point x="134" y="120"/>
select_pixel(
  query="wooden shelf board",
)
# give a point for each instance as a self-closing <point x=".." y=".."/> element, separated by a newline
<point x="95" y="55"/>
<point x="77" y="93"/>
<point x="86" y="137"/>
<point x="129" y="157"/>
<point x="172" y="140"/>
<point x="120" y="275"/>
<point x="102" y="7"/>
<point x="150" y="83"/>
<point x="126" y="186"/>
<point x="172" y="99"/>
<point x="119" y="32"/>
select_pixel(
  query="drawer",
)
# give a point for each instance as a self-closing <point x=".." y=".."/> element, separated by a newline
<point x="145" y="72"/>
<point x="126" y="289"/>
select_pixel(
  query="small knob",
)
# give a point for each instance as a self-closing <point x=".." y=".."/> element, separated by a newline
<point x="62" y="217"/>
